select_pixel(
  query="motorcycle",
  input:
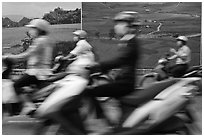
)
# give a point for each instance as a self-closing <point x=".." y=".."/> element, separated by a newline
<point x="11" y="103"/>
<point x="164" y="105"/>
<point x="154" y="109"/>
<point x="160" y="108"/>
<point x="160" y="72"/>
<point x="37" y="94"/>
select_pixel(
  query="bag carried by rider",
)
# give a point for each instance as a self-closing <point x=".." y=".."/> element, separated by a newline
<point x="8" y="93"/>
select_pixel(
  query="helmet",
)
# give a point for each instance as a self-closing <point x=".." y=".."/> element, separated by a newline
<point x="162" y="61"/>
<point x="80" y="33"/>
<point x="128" y="16"/>
<point x="182" y="38"/>
<point x="124" y="16"/>
<point x="40" y="24"/>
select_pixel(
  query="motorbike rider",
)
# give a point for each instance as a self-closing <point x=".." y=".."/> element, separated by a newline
<point x="26" y="42"/>
<point x="182" y="56"/>
<point x="70" y="87"/>
<point x="38" y="57"/>
<point x="125" y="62"/>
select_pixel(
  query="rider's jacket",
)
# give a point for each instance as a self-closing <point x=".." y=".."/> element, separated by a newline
<point x="85" y="57"/>
<point x="39" y="57"/>
<point x="125" y="61"/>
<point x="184" y="55"/>
<point x="82" y="47"/>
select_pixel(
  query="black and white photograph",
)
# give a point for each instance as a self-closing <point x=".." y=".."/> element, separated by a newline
<point x="101" y="68"/>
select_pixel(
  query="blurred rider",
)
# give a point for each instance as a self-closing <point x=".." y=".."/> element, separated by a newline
<point x="38" y="57"/>
<point x="65" y="98"/>
<point x="125" y="61"/>
<point x="26" y="42"/>
<point x="182" y="56"/>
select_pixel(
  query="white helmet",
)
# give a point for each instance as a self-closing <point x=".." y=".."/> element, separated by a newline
<point x="40" y="24"/>
<point x="182" y="38"/>
<point x="128" y="16"/>
<point x="80" y="33"/>
<point x="123" y="16"/>
<point x="162" y="61"/>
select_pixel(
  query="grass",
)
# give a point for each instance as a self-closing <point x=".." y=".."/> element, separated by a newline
<point x="182" y="18"/>
<point x="13" y="36"/>
<point x="151" y="49"/>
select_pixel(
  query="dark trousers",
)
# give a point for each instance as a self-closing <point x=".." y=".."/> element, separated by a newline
<point x="178" y="70"/>
<point x="25" y="80"/>
<point x="115" y="89"/>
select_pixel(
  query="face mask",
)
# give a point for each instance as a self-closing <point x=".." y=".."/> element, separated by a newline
<point x="75" y="38"/>
<point x="121" y="28"/>
<point x="33" y="33"/>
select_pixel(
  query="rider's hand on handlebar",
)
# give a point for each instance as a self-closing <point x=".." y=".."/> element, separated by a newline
<point x="58" y="59"/>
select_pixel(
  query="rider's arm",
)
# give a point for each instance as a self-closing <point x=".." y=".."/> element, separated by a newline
<point x="56" y="66"/>
<point x="25" y="55"/>
<point x="69" y="56"/>
<point x="183" y="55"/>
<point x="73" y="53"/>
<point x="37" y="43"/>
<point x="81" y="46"/>
<point x="172" y="57"/>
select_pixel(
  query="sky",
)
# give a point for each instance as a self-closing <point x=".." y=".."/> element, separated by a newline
<point x="35" y="9"/>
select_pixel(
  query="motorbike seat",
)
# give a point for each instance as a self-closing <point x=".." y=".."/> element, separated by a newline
<point x="141" y="96"/>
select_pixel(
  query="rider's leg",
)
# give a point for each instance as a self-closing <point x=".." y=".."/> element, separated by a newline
<point x="25" y="80"/>
<point x="71" y="112"/>
<point x="42" y="126"/>
<point x="99" y="111"/>
<point x="66" y="123"/>
<point x="107" y="90"/>
<point x="67" y="116"/>
<point x="70" y="87"/>
<point x="178" y="70"/>
<point x="114" y="89"/>
<point x="52" y="106"/>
